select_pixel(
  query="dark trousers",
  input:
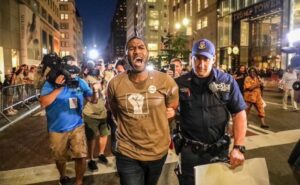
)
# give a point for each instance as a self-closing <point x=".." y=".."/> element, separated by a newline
<point x="189" y="160"/>
<point x="134" y="172"/>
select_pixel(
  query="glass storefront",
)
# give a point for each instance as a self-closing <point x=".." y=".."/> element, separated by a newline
<point x="256" y="28"/>
<point x="265" y="47"/>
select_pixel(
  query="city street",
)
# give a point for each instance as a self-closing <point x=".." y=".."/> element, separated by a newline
<point x="25" y="156"/>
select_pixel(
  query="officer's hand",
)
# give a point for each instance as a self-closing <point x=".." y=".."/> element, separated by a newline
<point x="236" y="158"/>
<point x="170" y="112"/>
<point x="60" y="79"/>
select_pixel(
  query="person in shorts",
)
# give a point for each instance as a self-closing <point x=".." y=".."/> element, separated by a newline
<point x="64" y="105"/>
<point x="95" y="125"/>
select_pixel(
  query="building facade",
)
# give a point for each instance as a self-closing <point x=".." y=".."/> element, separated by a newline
<point x="149" y="20"/>
<point x="117" y="39"/>
<point x="29" y="29"/>
<point x="197" y="18"/>
<point x="253" y="32"/>
<point x="71" y="39"/>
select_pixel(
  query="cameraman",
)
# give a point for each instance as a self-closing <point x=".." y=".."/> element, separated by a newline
<point x="64" y="119"/>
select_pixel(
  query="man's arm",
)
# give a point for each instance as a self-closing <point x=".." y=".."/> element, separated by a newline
<point x="239" y="132"/>
<point x="171" y="110"/>
<point x="94" y="98"/>
<point x="48" y="99"/>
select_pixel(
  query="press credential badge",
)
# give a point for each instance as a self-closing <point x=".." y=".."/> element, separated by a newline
<point x="73" y="103"/>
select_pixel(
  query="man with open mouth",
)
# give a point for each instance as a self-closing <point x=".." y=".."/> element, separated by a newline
<point x="142" y="103"/>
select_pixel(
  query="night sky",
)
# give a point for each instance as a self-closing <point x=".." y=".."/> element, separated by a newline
<point x="97" y="16"/>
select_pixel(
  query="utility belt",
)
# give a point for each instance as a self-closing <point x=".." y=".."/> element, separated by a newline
<point x="199" y="147"/>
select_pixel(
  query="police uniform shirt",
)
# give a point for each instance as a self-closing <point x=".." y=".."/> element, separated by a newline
<point x="203" y="113"/>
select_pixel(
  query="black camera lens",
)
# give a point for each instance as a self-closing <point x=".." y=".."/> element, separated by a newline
<point x="296" y="86"/>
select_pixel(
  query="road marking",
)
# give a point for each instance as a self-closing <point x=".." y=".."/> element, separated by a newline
<point x="47" y="173"/>
<point x="252" y="125"/>
<point x="40" y="113"/>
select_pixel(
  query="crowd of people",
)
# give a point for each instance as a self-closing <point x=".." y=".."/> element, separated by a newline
<point x="18" y="85"/>
<point x="136" y="106"/>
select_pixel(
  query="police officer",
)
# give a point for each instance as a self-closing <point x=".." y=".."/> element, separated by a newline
<point x="207" y="98"/>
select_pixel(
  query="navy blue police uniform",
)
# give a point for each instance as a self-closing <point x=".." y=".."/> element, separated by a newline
<point x="205" y="105"/>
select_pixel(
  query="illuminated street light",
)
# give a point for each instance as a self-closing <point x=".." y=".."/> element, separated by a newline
<point x="93" y="54"/>
<point x="185" y="21"/>
<point x="293" y="36"/>
<point x="177" y="26"/>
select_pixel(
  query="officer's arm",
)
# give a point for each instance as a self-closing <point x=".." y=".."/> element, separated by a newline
<point x="239" y="127"/>
<point x="239" y="132"/>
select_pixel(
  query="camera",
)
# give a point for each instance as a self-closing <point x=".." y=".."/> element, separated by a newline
<point x="53" y="66"/>
<point x="91" y="67"/>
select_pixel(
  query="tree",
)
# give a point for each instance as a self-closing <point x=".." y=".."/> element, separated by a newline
<point x="175" y="47"/>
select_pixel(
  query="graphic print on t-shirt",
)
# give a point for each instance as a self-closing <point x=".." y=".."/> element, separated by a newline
<point x="137" y="103"/>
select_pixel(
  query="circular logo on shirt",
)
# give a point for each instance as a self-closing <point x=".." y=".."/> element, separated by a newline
<point x="151" y="89"/>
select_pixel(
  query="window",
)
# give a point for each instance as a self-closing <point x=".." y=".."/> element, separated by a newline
<point x="185" y="10"/>
<point x="204" y="22"/>
<point x="44" y="13"/>
<point x="199" y="5"/>
<point x="64" y="44"/>
<point x="151" y="1"/>
<point x="64" y="53"/>
<point x="63" y="7"/>
<point x="56" y="26"/>
<point x="50" y="19"/>
<point x="205" y="3"/>
<point x="152" y="46"/>
<point x="64" y="16"/>
<point x="154" y="24"/>
<point x="199" y="24"/>
<point x="153" y="14"/>
<point x="191" y="8"/>
<point x="63" y="35"/>
<point x="64" y="26"/>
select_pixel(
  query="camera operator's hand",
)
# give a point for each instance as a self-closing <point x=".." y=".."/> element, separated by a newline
<point x="60" y="80"/>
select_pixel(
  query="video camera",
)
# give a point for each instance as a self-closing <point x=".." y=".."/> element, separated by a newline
<point x="53" y="66"/>
<point x="91" y="68"/>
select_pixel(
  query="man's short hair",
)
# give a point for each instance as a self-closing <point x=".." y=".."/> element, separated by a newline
<point x="134" y="37"/>
<point x="175" y="60"/>
<point x="120" y="62"/>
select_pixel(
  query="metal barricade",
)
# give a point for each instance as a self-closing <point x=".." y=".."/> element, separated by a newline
<point x="15" y="96"/>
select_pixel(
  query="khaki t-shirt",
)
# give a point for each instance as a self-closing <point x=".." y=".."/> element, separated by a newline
<point x="140" y="113"/>
<point x="98" y="110"/>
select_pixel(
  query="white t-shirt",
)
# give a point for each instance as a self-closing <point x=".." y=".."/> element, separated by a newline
<point x="288" y="79"/>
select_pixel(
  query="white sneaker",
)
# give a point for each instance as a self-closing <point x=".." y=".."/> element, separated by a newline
<point x="14" y="110"/>
<point x="284" y="108"/>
